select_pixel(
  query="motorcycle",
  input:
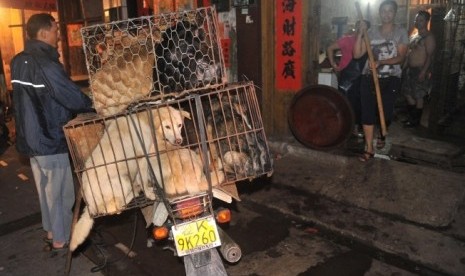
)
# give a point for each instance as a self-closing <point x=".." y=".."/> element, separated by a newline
<point x="225" y="125"/>
<point x="192" y="225"/>
<point x="188" y="221"/>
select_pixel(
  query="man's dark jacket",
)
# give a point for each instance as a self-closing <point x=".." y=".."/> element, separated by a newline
<point x="44" y="98"/>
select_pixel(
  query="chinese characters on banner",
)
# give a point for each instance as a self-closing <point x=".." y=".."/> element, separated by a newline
<point x="288" y="44"/>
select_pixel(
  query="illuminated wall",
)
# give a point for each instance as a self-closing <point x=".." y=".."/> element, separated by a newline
<point x="12" y="36"/>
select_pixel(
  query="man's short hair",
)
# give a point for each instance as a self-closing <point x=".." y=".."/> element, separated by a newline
<point x="37" y="22"/>
<point x="388" y="2"/>
<point x="425" y="14"/>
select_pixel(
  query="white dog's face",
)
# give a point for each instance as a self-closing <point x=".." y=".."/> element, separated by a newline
<point x="170" y="123"/>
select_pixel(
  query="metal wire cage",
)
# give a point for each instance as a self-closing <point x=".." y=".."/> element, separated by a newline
<point x="153" y="55"/>
<point x="169" y="148"/>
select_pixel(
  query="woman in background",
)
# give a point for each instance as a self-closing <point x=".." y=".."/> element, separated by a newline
<point x="389" y="44"/>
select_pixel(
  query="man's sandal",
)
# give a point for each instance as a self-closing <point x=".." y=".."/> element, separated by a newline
<point x="381" y="142"/>
<point x="50" y="248"/>
<point x="47" y="241"/>
<point x="366" y="156"/>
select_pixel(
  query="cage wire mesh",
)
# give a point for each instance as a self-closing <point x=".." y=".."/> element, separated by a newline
<point x="174" y="147"/>
<point x="152" y="56"/>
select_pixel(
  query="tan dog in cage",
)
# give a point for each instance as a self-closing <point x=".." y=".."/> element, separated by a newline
<point x="116" y="171"/>
<point x="180" y="172"/>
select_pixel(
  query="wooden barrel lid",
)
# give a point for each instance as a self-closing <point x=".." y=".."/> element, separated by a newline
<point x="320" y="117"/>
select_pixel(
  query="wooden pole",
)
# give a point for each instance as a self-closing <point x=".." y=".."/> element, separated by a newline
<point x="374" y="70"/>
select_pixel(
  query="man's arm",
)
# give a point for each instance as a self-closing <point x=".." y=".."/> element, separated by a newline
<point x="65" y="91"/>
<point x="359" y="46"/>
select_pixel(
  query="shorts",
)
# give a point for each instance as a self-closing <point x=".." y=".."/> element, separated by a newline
<point x="389" y="88"/>
<point x="414" y="88"/>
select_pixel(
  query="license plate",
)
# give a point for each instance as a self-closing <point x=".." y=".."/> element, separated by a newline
<point x="195" y="236"/>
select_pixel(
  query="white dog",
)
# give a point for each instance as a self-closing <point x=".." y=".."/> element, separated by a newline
<point x="114" y="175"/>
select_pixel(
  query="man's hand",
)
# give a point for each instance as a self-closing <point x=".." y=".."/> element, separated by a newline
<point x="362" y="27"/>
<point x="335" y="67"/>
<point x="421" y="77"/>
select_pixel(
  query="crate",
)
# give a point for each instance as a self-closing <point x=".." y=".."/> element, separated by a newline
<point x="150" y="56"/>
<point x="125" y="160"/>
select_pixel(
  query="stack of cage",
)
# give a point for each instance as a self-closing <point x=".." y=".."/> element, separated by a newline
<point x="159" y="55"/>
<point x="168" y="123"/>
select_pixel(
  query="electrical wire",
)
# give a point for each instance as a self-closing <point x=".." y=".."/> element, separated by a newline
<point x="99" y="247"/>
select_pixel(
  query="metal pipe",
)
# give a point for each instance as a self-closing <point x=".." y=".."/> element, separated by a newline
<point x="229" y="249"/>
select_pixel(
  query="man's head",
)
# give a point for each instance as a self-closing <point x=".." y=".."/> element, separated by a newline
<point x="421" y="19"/>
<point x="43" y="27"/>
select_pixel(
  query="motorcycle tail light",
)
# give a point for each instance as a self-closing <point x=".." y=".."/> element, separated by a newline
<point x="223" y="216"/>
<point x="189" y="208"/>
<point x="160" y="233"/>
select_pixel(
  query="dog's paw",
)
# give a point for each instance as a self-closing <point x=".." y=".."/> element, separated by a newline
<point x="237" y="163"/>
<point x="150" y="194"/>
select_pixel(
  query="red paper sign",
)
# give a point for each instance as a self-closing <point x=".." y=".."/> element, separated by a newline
<point x="288" y="45"/>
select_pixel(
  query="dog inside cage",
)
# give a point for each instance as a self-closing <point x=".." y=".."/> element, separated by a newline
<point x="185" y="58"/>
<point x="152" y="56"/>
<point x="176" y="149"/>
<point x="234" y="132"/>
<point x="120" y="61"/>
<point x="168" y="125"/>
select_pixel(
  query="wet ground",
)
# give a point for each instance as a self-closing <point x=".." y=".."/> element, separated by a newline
<point x="271" y="243"/>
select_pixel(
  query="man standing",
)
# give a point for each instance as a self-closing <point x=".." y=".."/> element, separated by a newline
<point x="417" y="82"/>
<point x="45" y="99"/>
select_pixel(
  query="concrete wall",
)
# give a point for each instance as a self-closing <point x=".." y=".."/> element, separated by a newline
<point x="346" y="8"/>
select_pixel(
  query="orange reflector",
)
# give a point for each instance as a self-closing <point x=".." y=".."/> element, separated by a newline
<point x="190" y="212"/>
<point x="160" y="233"/>
<point x="223" y="216"/>
<point x="189" y="208"/>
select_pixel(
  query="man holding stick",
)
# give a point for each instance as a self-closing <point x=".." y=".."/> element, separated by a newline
<point x="388" y="43"/>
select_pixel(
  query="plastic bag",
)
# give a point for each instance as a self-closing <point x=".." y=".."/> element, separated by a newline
<point x="351" y="73"/>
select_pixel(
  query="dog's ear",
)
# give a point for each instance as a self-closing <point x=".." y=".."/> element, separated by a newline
<point x="185" y="114"/>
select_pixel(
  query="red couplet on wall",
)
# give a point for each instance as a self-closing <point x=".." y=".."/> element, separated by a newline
<point x="288" y="45"/>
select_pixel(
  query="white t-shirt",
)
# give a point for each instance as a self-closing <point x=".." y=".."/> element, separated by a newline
<point x="385" y="47"/>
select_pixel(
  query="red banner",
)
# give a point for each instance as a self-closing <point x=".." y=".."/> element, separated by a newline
<point x="288" y="45"/>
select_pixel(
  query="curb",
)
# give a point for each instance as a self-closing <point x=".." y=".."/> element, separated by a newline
<point x="322" y="157"/>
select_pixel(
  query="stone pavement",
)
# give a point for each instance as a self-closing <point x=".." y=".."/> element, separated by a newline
<point x="398" y="208"/>
<point x="21" y="254"/>
<point x="21" y="245"/>
<point x="420" y="194"/>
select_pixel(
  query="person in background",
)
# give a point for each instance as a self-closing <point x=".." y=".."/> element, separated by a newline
<point x="417" y="82"/>
<point x="349" y="71"/>
<point x="45" y="99"/>
<point x="389" y="44"/>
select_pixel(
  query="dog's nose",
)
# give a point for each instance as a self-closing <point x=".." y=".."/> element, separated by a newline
<point x="178" y="141"/>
